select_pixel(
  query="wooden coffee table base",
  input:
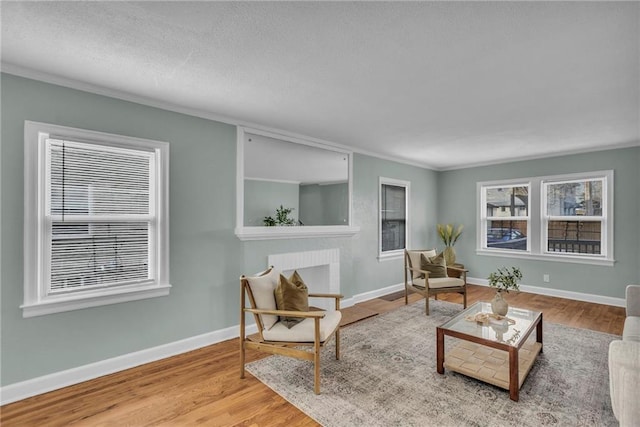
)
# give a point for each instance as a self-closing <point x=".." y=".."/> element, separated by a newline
<point x="492" y="365"/>
<point x="491" y="354"/>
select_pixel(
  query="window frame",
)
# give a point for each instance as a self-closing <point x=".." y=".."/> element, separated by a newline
<point x="396" y="253"/>
<point x="538" y="233"/>
<point x="37" y="224"/>
<point x="606" y="232"/>
<point x="484" y="218"/>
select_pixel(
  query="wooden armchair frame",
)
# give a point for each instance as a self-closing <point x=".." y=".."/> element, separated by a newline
<point x="427" y="292"/>
<point x="257" y="341"/>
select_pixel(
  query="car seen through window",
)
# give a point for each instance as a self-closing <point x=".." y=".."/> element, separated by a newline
<point x="506" y="238"/>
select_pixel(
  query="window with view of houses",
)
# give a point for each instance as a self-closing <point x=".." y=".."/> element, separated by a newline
<point x="564" y="217"/>
<point x="506" y="219"/>
<point x="573" y="216"/>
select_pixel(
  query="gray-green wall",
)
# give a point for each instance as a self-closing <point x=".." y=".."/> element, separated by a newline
<point x="457" y="203"/>
<point x="206" y="256"/>
<point x="202" y="214"/>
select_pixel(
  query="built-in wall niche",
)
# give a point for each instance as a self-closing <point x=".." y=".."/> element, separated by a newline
<point x="312" y="179"/>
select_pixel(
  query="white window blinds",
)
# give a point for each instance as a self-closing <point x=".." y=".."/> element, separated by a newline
<point x="100" y="213"/>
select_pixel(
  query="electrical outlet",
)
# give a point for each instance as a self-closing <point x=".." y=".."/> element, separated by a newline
<point x="545" y="278"/>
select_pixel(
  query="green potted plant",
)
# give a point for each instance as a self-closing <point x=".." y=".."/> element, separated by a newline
<point x="449" y="234"/>
<point x="503" y="280"/>
<point x="282" y="217"/>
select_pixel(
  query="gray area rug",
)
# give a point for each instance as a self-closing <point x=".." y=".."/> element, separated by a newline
<point x="387" y="377"/>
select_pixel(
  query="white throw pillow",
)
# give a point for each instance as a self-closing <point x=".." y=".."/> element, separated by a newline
<point x="262" y="288"/>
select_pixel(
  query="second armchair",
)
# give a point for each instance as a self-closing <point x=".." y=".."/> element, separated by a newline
<point x="426" y="274"/>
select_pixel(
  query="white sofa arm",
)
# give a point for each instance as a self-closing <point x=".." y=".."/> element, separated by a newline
<point x="624" y="377"/>
<point x="633" y="300"/>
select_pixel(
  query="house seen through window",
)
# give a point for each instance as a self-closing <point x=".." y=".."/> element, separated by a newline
<point x="564" y="217"/>
<point x="506" y="224"/>
<point x="573" y="217"/>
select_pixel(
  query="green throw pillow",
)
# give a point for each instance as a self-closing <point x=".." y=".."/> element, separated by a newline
<point x="291" y="295"/>
<point x="436" y="266"/>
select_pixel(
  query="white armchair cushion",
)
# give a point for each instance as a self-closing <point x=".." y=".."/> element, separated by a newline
<point x="305" y="330"/>
<point x="419" y="282"/>
<point x="262" y="288"/>
<point x="445" y="282"/>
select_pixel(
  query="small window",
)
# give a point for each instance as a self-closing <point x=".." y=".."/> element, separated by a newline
<point x="394" y="203"/>
<point x="96" y="229"/>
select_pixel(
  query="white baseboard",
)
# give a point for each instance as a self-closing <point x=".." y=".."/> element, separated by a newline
<point x="577" y="296"/>
<point x="366" y="296"/>
<point x="22" y="390"/>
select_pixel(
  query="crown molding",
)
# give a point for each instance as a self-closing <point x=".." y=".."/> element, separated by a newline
<point x="30" y="73"/>
<point x="546" y="156"/>
<point x="41" y="76"/>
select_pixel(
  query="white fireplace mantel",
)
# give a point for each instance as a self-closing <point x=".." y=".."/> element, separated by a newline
<point x="319" y="269"/>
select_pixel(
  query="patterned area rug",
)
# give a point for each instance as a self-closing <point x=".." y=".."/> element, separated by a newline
<point x="387" y="377"/>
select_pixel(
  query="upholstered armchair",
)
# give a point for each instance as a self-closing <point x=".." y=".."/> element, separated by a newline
<point x="426" y="274"/>
<point x="284" y="332"/>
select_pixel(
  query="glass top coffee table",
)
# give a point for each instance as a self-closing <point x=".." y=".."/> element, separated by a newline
<point x="496" y="352"/>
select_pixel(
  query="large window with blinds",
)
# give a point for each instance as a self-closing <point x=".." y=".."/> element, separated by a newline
<point x="96" y="220"/>
<point x="394" y="217"/>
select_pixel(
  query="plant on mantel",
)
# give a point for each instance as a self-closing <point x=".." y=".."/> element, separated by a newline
<point x="282" y="218"/>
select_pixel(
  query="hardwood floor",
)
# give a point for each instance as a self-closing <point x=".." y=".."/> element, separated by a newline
<point x="203" y="387"/>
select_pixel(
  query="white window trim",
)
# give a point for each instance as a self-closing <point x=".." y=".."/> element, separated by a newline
<point x="482" y="217"/>
<point x="398" y="253"/>
<point x="536" y="223"/>
<point x="36" y="302"/>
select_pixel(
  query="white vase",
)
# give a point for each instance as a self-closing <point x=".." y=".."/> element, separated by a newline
<point x="498" y="305"/>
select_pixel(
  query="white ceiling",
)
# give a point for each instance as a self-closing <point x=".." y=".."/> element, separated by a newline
<point x="439" y="84"/>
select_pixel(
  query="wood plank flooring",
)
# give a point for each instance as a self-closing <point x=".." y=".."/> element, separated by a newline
<point x="203" y="387"/>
